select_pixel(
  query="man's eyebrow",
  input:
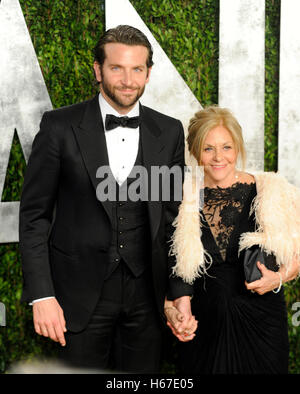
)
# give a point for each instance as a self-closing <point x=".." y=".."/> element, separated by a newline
<point x="120" y="65"/>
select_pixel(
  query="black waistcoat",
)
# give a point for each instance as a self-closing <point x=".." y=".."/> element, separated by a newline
<point x="131" y="240"/>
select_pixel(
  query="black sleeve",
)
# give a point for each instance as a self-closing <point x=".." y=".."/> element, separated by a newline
<point x="176" y="286"/>
<point x="36" y="211"/>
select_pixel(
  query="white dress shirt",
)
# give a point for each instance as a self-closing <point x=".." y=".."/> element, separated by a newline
<point x="122" y="142"/>
<point x="122" y="147"/>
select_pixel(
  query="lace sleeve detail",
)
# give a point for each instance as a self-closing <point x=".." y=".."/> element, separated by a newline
<point x="222" y="208"/>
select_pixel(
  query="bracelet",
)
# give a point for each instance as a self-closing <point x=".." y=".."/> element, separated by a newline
<point x="280" y="284"/>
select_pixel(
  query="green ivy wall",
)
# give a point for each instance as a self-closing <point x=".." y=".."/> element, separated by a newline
<point x="64" y="34"/>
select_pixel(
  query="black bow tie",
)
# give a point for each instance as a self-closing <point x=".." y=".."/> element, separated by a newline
<point x="111" y="122"/>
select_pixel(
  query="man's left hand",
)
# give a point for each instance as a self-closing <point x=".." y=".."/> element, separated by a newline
<point x="180" y="319"/>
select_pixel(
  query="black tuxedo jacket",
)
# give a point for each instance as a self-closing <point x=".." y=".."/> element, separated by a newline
<point x="65" y="230"/>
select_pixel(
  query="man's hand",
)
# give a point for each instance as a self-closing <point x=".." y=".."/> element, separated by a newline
<point x="49" y="321"/>
<point x="180" y="318"/>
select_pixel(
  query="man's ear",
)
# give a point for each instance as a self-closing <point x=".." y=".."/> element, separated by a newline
<point x="148" y="74"/>
<point x="97" y="71"/>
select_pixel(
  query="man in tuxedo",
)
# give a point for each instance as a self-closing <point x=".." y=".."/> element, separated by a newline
<point x="96" y="270"/>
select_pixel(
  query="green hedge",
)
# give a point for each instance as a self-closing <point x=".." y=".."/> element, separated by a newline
<point x="64" y="34"/>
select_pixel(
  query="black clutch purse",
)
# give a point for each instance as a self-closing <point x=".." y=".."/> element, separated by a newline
<point x="251" y="257"/>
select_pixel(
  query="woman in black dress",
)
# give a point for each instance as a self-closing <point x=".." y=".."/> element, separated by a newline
<point x="242" y="327"/>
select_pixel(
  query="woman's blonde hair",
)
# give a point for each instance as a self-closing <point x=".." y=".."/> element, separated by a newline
<point x="207" y="119"/>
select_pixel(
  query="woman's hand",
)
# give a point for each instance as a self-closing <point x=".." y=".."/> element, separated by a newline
<point x="271" y="280"/>
<point x="182" y="324"/>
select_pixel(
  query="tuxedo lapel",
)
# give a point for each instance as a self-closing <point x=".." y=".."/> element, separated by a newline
<point x="90" y="136"/>
<point x="151" y="149"/>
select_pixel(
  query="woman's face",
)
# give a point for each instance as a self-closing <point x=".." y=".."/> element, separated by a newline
<point x="219" y="157"/>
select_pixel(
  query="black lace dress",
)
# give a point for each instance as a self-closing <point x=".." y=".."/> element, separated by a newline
<point x="238" y="331"/>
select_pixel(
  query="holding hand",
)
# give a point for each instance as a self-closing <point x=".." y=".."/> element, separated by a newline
<point x="180" y="319"/>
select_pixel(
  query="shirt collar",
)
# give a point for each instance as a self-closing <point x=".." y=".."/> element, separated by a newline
<point x="106" y="109"/>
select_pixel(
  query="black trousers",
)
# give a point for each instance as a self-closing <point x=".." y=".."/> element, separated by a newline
<point x="124" y="332"/>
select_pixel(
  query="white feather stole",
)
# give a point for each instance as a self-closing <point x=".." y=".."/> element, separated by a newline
<point x="277" y="213"/>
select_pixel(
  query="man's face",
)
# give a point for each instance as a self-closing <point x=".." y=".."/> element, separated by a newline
<point x="123" y="75"/>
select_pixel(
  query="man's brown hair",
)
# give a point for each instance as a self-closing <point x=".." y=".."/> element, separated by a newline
<point x="122" y="34"/>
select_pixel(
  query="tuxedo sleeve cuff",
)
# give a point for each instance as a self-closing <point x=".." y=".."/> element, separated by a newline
<point x="40" y="299"/>
<point x="178" y="288"/>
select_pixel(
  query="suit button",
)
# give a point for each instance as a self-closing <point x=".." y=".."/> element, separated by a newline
<point x="120" y="232"/>
<point x="121" y="218"/>
<point x="116" y="260"/>
<point x="121" y="246"/>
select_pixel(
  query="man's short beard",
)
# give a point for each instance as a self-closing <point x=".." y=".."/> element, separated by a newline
<point x="115" y="99"/>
